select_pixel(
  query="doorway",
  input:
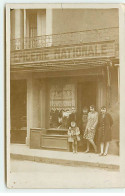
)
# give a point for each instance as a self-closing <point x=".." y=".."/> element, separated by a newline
<point x="86" y="96"/>
<point x="18" y="110"/>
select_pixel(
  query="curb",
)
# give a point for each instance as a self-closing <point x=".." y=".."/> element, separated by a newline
<point x="63" y="161"/>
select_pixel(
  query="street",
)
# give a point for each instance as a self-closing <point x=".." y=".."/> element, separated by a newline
<point x="28" y="174"/>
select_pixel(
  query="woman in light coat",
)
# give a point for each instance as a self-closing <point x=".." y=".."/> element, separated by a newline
<point x="91" y="128"/>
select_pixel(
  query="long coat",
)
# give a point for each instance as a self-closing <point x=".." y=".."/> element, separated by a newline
<point x="104" y="128"/>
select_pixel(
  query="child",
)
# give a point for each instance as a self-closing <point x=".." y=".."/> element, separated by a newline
<point x="73" y="136"/>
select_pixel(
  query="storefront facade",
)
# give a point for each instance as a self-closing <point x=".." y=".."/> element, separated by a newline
<point x="48" y="81"/>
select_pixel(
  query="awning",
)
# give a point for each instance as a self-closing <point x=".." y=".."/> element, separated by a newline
<point x="61" y="65"/>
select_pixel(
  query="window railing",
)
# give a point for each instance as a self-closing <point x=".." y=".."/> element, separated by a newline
<point x="96" y="35"/>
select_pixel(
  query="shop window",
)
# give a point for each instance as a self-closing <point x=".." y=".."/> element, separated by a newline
<point x="62" y="100"/>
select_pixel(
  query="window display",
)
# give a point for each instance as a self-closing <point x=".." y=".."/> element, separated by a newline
<point x="62" y="100"/>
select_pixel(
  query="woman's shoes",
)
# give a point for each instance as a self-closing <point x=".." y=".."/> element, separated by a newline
<point x="86" y="151"/>
<point x="103" y="154"/>
<point x="74" y="151"/>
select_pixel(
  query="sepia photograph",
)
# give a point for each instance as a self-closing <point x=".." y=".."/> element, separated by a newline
<point x="63" y="96"/>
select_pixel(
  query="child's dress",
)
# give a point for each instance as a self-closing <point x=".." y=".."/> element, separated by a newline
<point x="73" y="134"/>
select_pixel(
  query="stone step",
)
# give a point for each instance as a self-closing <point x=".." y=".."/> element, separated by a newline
<point x="63" y="161"/>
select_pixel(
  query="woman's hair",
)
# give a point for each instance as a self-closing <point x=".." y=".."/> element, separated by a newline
<point x="103" y="107"/>
<point x="92" y="106"/>
<point x="85" y="108"/>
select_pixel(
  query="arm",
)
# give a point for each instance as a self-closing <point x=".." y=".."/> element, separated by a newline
<point x="96" y="120"/>
<point x="99" y="117"/>
<point x="111" y="120"/>
<point x="87" y="122"/>
<point x="77" y="131"/>
<point x="69" y="131"/>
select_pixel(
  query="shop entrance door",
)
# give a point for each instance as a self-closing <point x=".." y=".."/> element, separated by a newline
<point x="18" y="116"/>
<point x="86" y="96"/>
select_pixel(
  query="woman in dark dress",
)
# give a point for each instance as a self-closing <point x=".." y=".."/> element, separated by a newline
<point x="104" y="130"/>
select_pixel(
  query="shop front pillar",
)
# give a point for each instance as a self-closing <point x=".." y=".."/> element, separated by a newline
<point x="43" y="105"/>
<point x="29" y="108"/>
<point x="101" y="95"/>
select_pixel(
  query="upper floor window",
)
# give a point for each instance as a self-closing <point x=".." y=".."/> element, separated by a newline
<point x="32" y="25"/>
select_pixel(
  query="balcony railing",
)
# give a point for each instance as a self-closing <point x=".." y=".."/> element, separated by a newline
<point x="97" y="35"/>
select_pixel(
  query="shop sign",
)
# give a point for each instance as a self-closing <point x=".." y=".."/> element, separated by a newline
<point x="84" y="51"/>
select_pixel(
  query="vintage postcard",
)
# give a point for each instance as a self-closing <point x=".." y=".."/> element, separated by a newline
<point x="64" y="95"/>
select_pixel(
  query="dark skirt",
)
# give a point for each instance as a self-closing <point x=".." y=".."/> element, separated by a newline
<point x="104" y="135"/>
<point x="104" y="128"/>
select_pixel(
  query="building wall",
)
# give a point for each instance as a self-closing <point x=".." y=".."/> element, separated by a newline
<point x="57" y="20"/>
<point x="83" y="19"/>
<point x="12" y="24"/>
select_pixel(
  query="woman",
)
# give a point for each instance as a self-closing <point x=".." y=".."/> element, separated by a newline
<point x="104" y="131"/>
<point x="91" y="128"/>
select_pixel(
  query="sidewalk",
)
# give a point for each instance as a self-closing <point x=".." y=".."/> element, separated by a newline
<point x="23" y="152"/>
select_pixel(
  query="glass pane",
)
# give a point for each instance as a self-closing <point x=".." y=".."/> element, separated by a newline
<point x="62" y="100"/>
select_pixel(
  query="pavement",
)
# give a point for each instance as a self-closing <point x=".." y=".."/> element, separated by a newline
<point x="30" y="174"/>
<point x="23" y="152"/>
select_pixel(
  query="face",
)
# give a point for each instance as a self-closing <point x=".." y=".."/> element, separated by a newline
<point x="103" y="110"/>
<point x="73" y="124"/>
<point x="85" y="110"/>
<point x="73" y="110"/>
<point x="92" y="109"/>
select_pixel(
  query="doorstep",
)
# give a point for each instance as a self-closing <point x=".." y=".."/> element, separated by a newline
<point x="23" y="152"/>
